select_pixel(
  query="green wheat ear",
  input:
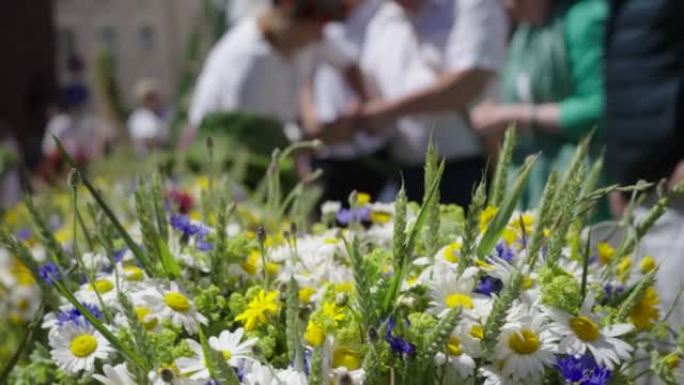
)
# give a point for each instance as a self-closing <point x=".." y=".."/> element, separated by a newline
<point x="544" y="219"/>
<point x="503" y="166"/>
<point x="218" y="368"/>
<point x="431" y="233"/>
<point x="294" y="344"/>
<point x="497" y="318"/>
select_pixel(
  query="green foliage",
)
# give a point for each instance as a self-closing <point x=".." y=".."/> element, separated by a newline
<point x="294" y="345"/>
<point x="504" y="213"/>
<point x="559" y="289"/>
<point x="498" y="191"/>
<point x="544" y="218"/>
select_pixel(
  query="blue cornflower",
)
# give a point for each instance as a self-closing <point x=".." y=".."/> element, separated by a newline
<point x="182" y="223"/>
<point x="600" y="376"/>
<point x="49" y="273"/>
<point x="75" y="316"/>
<point x="398" y="344"/>
<point x="610" y="291"/>
<point x="575" y="368"/>
<point x="119" y="255"/>
<point x="504" y="252"/>
<point x="488" y="286"/>
<point x="203" y="245"/>
<point x="24" y="234"/>
<point x="345" y="216"/>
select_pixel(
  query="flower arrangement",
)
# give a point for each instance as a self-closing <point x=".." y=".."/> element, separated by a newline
<point x="233" y="292"/>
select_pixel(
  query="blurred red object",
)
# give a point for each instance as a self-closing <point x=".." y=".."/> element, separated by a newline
<point x="181" y="199"/>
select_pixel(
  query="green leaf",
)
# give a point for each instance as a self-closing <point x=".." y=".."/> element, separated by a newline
<point x="431" y="233"/>
<point x="503" y="215"/>
<point x="135" y="249"/>
<point x="294" y="344"/>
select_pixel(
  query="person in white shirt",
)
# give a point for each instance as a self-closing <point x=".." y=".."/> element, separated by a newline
<point x="148" y="126"/>
<point x="356" y="164"/>
<point x="430" y="61"/>
<point x="259" y="66"/>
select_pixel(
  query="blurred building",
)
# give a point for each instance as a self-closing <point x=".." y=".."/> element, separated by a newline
<point x="146" y="38"/>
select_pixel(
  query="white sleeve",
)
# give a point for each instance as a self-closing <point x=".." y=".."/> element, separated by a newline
<point x="207" y="96"/>
<point x="479" y="37"/>
<point x="335" y="49"/>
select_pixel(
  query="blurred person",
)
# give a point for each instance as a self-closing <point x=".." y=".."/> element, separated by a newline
<point x="148" y="125"/>
<point x="10" y="159"/>
<point x="240" y="9"/>
<point x="356" y="164"/>
<point x="429" y="61"/>
<point x="645" y="124"/>
<point x="553" y="88"/>
<point x="259" y="65"/>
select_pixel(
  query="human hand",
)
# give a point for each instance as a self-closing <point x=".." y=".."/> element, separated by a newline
<point x="487" y="119"/>
<point x="375" y="116"/>
<point x="677" y="176"/>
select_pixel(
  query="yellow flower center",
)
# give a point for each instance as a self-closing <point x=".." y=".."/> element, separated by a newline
<point x="306" y="293"/>
<point x="477" y="332"/>
<point x="251" y="264"/>
<point x="330" y="241"/>
<point x="177" y="301"/>
<point x="459" y="300"/>
<point x="133" y="273"/>
<point x="227" y="355"/>
<point x="527" y="282"/>
<point x="346" y="357"/>
<point x="672" y="360"/>
<point x="362" y="199"/>
<point x="272" y="269"/>
<point x="344" y="287"/>
<point x="451" y="252"/>
<point x="648" y="264"/>
<point x="333" y="312"/>
<point x="83" y="345"/>
<point x="102" y="286"/>
<point x="380" y="217"/>
<point x="524" y="342"/>
<point x="454" y="346"/>
<point x="605" y="252"/>
<point x="484" y="265"/>
<point x="585" y="329"/>
<point x="142" y="313"/>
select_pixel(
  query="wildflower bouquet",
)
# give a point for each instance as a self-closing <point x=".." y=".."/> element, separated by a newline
<point x="400" y="293"/>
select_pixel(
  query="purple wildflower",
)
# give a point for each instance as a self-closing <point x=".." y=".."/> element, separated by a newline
<point x="75" y="316"/>
<point x="504" y="252"/>
<point x="398" y="344"/>
<point x="49" y="273"/>
<point x="600" y="376"/>
<point x="345" y="216"/>
<point x="488" y="286"/>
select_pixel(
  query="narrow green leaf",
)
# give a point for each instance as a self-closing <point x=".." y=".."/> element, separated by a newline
<point x="218" y="368"/>
<point x="294" y="344"/>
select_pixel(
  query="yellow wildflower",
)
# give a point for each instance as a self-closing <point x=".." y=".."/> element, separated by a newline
<point x="262" y="305"/>
<point x="646" y="312"/>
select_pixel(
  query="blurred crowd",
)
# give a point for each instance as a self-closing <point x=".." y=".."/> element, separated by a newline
<point x="377" y="80"/>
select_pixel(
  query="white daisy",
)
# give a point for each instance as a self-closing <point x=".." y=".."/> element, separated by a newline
<point x="194" y="367"/>
<point x="448" y="291"/>
<point x="290" y="376"/>
<point x="492" y="376"/>
<point x="258" y="374"/>
<point x="345" y="376"/>
<point x="458" y="360"/>
<point x="76" y="346"/>
<point x="174" y="305"/>
<point x="231" y="346"/>
<point x="115" y="375"/>
<point x="525" y="346"/>
<point x="104" y="285"/>
<point x="582" y="332"/>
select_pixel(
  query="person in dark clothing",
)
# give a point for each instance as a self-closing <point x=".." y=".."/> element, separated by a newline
<point x="644" y="122"/>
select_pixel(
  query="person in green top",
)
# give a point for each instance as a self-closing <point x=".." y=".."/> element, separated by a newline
<point x="552" y="84"/>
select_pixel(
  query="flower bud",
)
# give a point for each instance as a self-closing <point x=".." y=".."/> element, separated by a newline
<point x="209" y="142"/>
<point x="74" y="179"/>
<point x="373" y="335"/>
<point x="342" y="299"/>
<point x="440" y="359"/>
<point x="261" y="233"/>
